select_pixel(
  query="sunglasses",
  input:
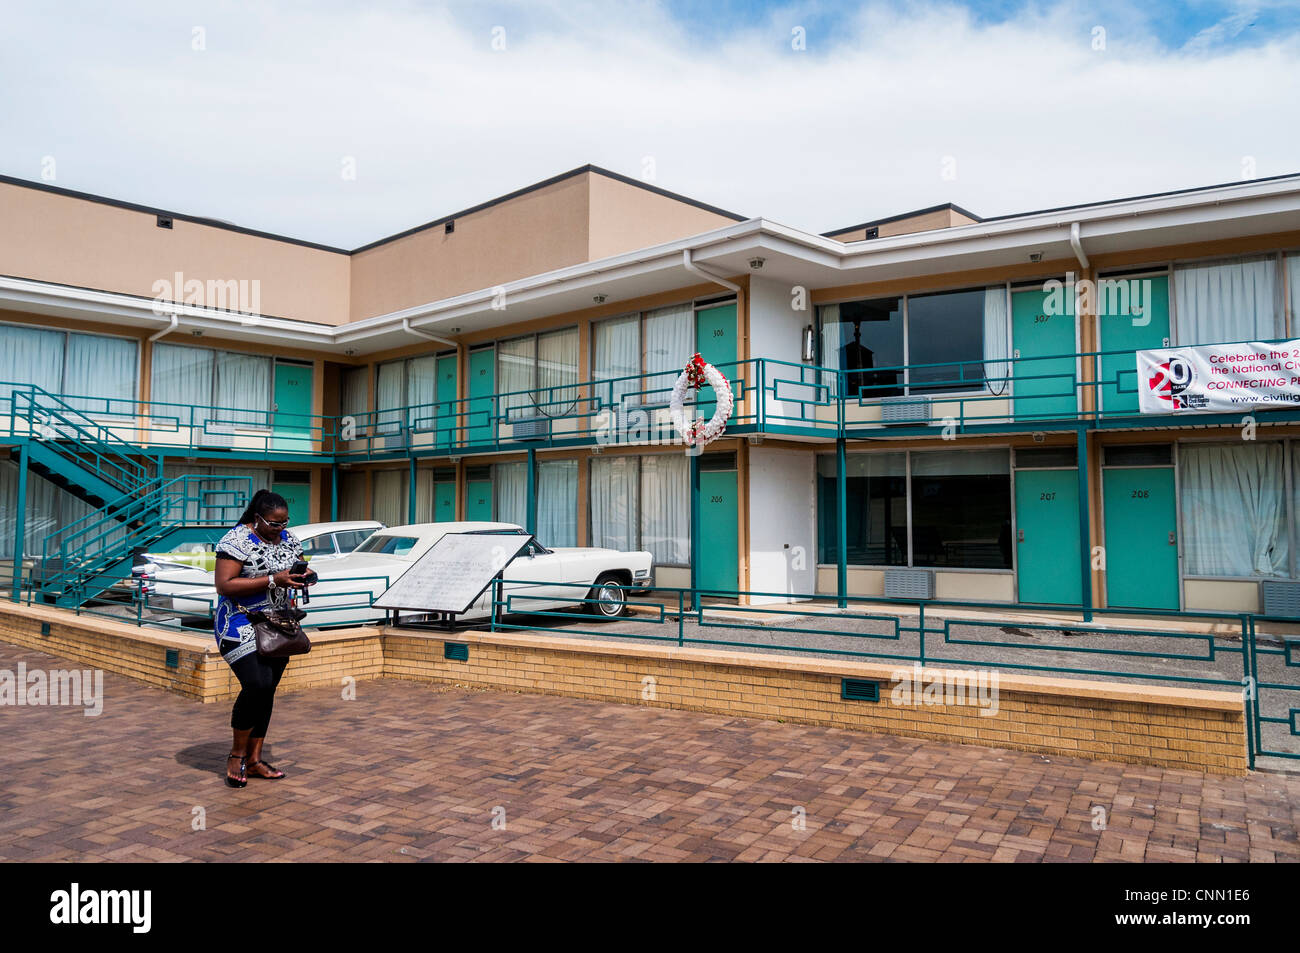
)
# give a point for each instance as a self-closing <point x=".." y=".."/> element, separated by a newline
<point x="274" y="524"/>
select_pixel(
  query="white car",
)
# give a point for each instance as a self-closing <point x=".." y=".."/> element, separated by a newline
<point x="168" y="577"/>
<point x="538" y="579"/>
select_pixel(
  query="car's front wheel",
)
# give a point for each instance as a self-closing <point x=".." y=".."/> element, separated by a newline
<point x="607" y="598"/>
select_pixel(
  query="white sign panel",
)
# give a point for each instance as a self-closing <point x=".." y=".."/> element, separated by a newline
<point x="453" y="573"/>
<point x="1218" y="378"/>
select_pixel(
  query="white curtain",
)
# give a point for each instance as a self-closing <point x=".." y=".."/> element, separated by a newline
<point x="1234" y="510"/>
<point x="181" y="378"/>
<point x="557" y="371"/>
<point x="557" y="503"/>
<point x="352" y="496"/>
<point x="666" y="508"/>
<point x="1227" y="302"/>
<point x="388" y="499"/>
<point x="1293" y="292"/>
<point x="103" y="368"/>
<point x="614" y="491"/>
<point x="388" y="397"/>
<point x="515" y="362"/>
<point x="31" y="356"/>
<point x="354" y="400"/>
<point x="832" y="344"/>
<point x="510" y="483"/>
<point x="996" y="339"/>
<point x="244" y="382"/>
<point x="669" y="344"/>
<point x="616" y="353"/>
<point x="421" y="388"/>
<point x="424" y="496"/>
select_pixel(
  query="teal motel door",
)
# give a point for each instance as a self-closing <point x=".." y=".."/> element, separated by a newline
<point x="448" y="410"/>
<point x="1141" y="537"/>
<point x="717" y="564"/>
<point x="298" y="496"/>
<point x="1044" y="370"/>
<point x="1133" y="313"/>
<point x="291" y="407"/>
<point x="715" y="340"/>
<point x="444" y="502"/>
<point x="1047" y="537"/>
<point x="478" y="500"/>
<point x="480" y="419"/>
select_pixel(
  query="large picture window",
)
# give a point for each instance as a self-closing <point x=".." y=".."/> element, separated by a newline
<point x="537" y="374"/>
<point x="411" y="383"/>
<point x="642" y="503"/>
<point x="1234" y="510"/>
<point x="942" y="509"/>
<point x="94" y="366"/>
<point x="918" y="344"/>
<point x="237" y="385"/>
<point x="1228" y="301"/>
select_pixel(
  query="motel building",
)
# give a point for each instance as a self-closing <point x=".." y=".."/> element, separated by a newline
<point x="928" y="404"/>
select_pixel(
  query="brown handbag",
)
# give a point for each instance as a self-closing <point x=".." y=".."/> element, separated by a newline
<point x="278" y="633"/>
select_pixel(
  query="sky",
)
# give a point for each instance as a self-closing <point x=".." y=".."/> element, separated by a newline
<point x="342" y="122"/>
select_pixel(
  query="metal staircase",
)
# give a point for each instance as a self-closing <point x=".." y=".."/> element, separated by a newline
<point x="135" y="508"/>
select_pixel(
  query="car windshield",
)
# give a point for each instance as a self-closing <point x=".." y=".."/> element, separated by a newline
<point x="388" y="545"/>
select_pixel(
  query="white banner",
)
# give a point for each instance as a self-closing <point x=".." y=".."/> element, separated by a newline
<point x="1218" y="378"/>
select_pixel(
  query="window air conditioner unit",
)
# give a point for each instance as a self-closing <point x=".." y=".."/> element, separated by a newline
<point x="531" y="428"/>
<point x="905" y="410"/>
<point x="909" y="584"/>
<point x="1280" y="598"/>
<point x="214" y="434"/>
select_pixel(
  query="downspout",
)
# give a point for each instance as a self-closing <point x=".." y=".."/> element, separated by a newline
<point x="171" y="326"/>
<point x="1077" y="245"/>
<point x="406" y="326"/>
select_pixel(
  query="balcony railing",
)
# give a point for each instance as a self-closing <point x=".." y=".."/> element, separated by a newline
<point x="770" y="397"/>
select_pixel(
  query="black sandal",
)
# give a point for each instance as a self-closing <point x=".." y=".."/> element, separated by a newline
<point x="275" y="775"/>
<point x="242" y="780"/>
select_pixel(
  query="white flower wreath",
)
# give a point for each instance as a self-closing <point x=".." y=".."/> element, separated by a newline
<point x="701" y="432"/>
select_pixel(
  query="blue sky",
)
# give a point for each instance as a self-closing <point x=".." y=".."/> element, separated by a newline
<point x="255" y="112"/>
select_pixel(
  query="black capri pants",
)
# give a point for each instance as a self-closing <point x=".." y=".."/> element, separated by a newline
<point x="258" y="679"/>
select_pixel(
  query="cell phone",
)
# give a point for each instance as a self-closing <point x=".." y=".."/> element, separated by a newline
<point x="300" y="568"/>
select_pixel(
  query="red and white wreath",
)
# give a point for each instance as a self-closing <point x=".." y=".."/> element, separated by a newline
<point x="700" y="432"/>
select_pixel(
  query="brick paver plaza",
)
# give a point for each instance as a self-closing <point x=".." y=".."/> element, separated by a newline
<point x="407" y="772"/>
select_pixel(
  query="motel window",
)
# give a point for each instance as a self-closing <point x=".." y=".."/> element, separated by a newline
<point x="411" y="383"/>
<point x="354" y="385"/>
<point x="653" y="346"/>
<point x="537" y="375"/>
<point x="557" y="502"/>
<point x="96" y="367"/>
<point x="1224" y="302"/>
<point x="237" y="385"/>
<point x="388" y="497"/>
<point x="642" y="503"/>
<point x="352" y="495"/>
<point x="1235" y="509"/>
<point x="916" y="344"/>
<point x="510" y="491"/>
<point x="615" y="357"/>
<point x="943" y="509"/>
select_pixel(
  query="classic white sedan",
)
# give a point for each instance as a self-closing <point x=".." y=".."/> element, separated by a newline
<point x="168" y="578"/>
<point x="539" y="578"/>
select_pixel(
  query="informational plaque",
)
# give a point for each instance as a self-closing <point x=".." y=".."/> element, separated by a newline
<point x="453" y="573"/>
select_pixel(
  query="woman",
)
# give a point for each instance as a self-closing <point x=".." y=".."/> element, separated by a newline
<point x="252" y="573"/>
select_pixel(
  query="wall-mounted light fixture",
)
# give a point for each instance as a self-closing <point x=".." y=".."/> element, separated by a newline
<point x="808" y="350"/>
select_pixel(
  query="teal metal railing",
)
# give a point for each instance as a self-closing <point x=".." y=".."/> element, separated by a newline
<point x="1211" y="650"/>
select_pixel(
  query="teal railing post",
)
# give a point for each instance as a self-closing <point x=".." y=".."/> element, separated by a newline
<point x="695" y="524"/>
<point x="1085" y="522"/>
<point x="530" y="491"/>
<point x="841" y="523"/>
<point x="20" y="523"/>
<point x="334" y="492"/>
<point x="410" y="494"/>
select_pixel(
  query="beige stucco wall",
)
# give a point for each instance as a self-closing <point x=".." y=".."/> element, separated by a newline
<point x="943" y="218"/>
<point x="532" y="233"/>
<point x="86" y="244"/>
<point x="625" y="218"/>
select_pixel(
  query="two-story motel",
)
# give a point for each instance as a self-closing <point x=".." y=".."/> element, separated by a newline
<point x="930" y="402"/>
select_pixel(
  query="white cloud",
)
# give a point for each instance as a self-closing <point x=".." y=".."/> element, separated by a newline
<point x="254" y="128"/>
